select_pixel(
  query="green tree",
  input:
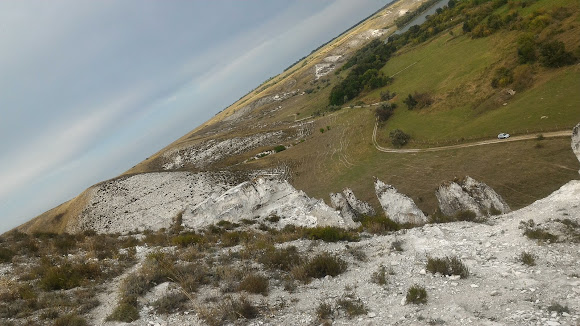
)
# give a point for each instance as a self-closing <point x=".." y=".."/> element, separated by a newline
<point x="399" y="138"/>
<point x="553" y="54"/>
<point x="411" y="102"/>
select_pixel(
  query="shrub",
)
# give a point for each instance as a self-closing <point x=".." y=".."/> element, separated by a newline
<point x="323" y="311"/>
<point x="126" y="311"/>
<point x="273" y="218"/>
<point x="379" y="224"/>
<point x="6" y="255"/>
<point x="283" y="259"/>
<point x="503" y="77"/>
<point x="68" y="275"/>
<point x="416" y="294"/>
<point x="465" y="215"/>
<point x="279" y="148"/>
<point x="170" y="303"/>
<point x="352" y="306"/>
<point x="397" y="245"/>
<point x="527" y="258"/>
<point x="539" y="234"/>
<point x="320" y="266"/>
<point x="556" y="307"/>
<point x="384" y="112"/>
<point x="447" y="266"/>
<point x="553" y="54"/>
<point x="380" y="276"/>
<point x="186" y="239"/>
<point x="358" y="253"/>
<point x="399" y="138"/>
<point x="523" y="77"/>
<point x="70" y="320"/>
<point x="330" y="234"/>
<point x="254" y="283"/>
<point x="410" y="101"/>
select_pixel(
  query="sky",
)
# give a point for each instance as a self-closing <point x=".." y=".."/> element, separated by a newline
<point x="90" y="88"/>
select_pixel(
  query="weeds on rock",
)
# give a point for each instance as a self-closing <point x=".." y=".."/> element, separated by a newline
<point x="416" y="294"/>
<point x="447" y="266"/>
<point x="527" y="258"/>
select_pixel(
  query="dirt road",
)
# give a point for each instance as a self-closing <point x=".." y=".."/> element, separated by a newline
<point x="565" y="133"/>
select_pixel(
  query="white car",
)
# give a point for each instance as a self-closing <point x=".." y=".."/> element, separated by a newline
<point x="503" y="136"/>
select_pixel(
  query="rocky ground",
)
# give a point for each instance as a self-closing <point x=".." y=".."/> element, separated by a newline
<point x="500" y="288"/>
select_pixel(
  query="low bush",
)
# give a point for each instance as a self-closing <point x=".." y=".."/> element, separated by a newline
<point x="126" y="311"/>
<point x="397" y="245"/>
<point x="416" y="294"/>
<point x="170" y="303"/>
<point x="319" y="266"/>
<point x="228" y="311"/>
<point x="254" y="283"/>
<point x="379" y="224"/>
<point x="70" y="320"/>
<point x="187" y="239"/>
<point x="323" y="311"/>
<point x="558" y="308"/>
<point x="330" y="234"/>
<point x="399" y="138"/>
<point x="6" y="255"/>
<point x="447" y="266"/>
<point x="279" y="148"/>
<point x="527" y="258"/>
<point x="68" y="275"/>
<point x="352" y="306"/>
<point x="283" y="259"/>
<point x="380" y="276"/>
<point x="539" y="234"/>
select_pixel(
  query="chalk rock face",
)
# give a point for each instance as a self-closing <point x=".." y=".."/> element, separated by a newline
<point x="145" y="201"/>
<point x="398" y="207"/>
<point x="358" y="205"/>
<point x="348" y="205"/>
<point x="338" y="202"/>
<point x="261" y="198"/>
<point x="469" y="195"/>
<point x="576" y="141"/>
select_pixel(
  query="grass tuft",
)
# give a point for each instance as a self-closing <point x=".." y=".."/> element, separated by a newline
<point x="416" y="294"/>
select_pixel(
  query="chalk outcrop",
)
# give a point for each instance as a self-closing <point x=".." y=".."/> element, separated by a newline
<point x="261" y="198"/>
<point x="469" y="195"/>
<point x="398" y="207"/>
<point x="347" y="203"/>
<point x="146" y="201"/>
<point x="576" y="141"/>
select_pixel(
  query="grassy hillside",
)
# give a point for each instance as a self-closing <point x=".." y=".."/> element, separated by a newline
<point x="464" y="60"/>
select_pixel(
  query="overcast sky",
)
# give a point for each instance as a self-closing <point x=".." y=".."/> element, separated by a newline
<point x="90" y="88"/>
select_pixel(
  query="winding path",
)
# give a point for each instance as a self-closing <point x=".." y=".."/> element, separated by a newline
<point x="564" y="133"/>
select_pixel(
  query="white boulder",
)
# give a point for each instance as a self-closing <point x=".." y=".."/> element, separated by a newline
<point x="469" y="195"/>
<point x="398" y="207"/>
<point x="261" y="198"/>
